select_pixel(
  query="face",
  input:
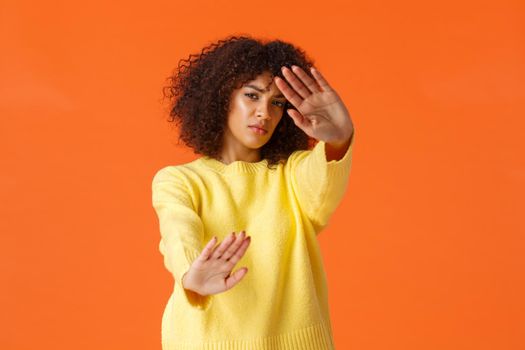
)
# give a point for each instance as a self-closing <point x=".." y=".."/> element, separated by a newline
<point x="257" y="104"/>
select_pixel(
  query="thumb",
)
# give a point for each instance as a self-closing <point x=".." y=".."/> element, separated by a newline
<point x="236" y="277"/>
<point x="298" y="118"/>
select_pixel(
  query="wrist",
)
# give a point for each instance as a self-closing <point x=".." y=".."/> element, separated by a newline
<point x="188" y="285"/>
<point x="184" y="282"/>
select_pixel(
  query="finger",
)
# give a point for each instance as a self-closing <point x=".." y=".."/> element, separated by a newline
<point x="311" y="83"/>
<point x="233" y="248"/>
<point x="301" y="121"/>
<point x="223" y="246"/>
<point x="240" y="252"/>
<point x="236" y="277"/>
<point x="296" y="83"/>
<point x="208" y="249"/>
<point x="288" y="92"/>
<point x="320" y="79"/>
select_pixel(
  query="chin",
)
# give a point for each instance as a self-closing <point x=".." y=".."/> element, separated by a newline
<point x="253" y="145"/>
<point x="257" y="141"/>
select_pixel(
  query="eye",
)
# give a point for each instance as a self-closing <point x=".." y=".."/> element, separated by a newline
<point x="279" y="103"/>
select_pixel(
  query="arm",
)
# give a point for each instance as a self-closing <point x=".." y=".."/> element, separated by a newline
<point x="320" y="176"/>
<point x="181" y="229"/>
<point x="319" y="183"/>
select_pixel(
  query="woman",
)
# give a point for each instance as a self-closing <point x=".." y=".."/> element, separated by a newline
<point x="250" y="109"/>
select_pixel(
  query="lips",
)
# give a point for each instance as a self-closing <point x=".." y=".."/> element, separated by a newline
<point x="258" y="130"/>
<point x="258" y="127"/>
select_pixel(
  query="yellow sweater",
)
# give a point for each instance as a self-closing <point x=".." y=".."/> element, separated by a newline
<point x="282" y="301"/>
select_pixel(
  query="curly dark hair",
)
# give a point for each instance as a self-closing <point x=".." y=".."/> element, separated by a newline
<point x="201" y="86"/>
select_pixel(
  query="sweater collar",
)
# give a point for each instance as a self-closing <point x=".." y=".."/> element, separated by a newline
<point x="238" y="166"/>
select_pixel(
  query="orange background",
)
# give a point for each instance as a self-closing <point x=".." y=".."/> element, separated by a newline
<point x="426" y="250"/>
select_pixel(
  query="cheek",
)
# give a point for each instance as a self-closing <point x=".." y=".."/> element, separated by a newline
<point x="237" y="121"/>
<point x="238" y="104"/>
<point x="238" y="113"/>
<point x="279" y="118"/>
<point x="243" y="108"/>
<point x="234" y="121"/>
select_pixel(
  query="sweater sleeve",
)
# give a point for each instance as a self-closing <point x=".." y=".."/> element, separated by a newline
<point x="319" y="184"/>
<point x="181" y="229"/>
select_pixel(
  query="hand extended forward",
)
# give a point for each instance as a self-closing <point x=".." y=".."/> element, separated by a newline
<point x="210" y="273"/>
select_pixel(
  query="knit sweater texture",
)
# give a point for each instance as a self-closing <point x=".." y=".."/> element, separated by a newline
<point x="282" y="301"/>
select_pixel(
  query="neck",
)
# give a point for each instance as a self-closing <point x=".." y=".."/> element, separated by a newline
<point x="229" y="157"/>
<point x="232" y="152"/>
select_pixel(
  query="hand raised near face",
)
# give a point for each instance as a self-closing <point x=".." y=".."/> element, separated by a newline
<point x="319" y="110"/>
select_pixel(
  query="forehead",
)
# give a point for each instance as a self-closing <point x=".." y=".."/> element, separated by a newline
<point x="263" y="82"/>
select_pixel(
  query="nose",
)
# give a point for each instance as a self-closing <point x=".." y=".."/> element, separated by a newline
<point x="263" y="111"/>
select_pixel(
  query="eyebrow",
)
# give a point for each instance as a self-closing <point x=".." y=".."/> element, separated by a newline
<point x="260" y="90"/>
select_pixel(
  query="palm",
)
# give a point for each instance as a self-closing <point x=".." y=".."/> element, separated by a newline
<point x="316" y="110"/>
<point x="214" y="275"/>
<point x="211" y="273"/>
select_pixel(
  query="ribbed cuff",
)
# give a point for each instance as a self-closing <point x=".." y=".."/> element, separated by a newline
<point x="334" y="166"/>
